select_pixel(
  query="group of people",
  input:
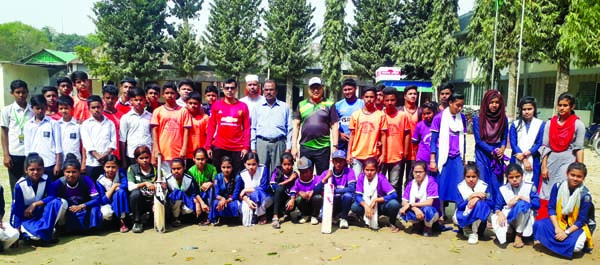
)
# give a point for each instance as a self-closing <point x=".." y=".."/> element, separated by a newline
<point x="79" y="161"/>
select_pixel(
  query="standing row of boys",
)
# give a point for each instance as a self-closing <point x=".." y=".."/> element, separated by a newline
<point x="76" y="161"/>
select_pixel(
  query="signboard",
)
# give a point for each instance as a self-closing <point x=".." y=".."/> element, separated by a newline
<point x="388" y="74"/>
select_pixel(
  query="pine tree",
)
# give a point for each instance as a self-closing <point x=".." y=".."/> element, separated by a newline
<point x="289" y="35"/>
<point x="334" y="44"/>
<point x="133" y="33"/>
<point x="371" y="39"/>
<point x="232" y="39"/>
<point x="185" y="52"/>
<point x="413" y="16"/>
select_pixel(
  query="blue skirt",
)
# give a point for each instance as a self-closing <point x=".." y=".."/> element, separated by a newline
<point x="258" y="196"/>
<point x="178" y="195"/>
<point x="481" y="211"/>
<point x="428" y="211"/>
<point x="231" y="210"/>
<point x="120" y="203"/>
<point x="448" y="181"/>
<point x="543" y="231"/>
<point x="521" y="207"/>
<point x="84" y="220"/>
<point x="43" y="220"/>
<point x="207" y="196"/>
<point x="487" y="172"/>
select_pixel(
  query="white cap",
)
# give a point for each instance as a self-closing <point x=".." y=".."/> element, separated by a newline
<point x="251" y="78"/>
<point x="314" y="81"/>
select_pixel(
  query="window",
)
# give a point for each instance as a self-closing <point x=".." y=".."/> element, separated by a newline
<point x="549" y="90"/>
<point x="586" y="96"/>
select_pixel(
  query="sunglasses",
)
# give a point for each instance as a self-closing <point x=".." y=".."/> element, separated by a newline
<point x="229" y="88"/>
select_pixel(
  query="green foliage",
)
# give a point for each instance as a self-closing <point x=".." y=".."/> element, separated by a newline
<point x="580" y="32"/>
<point x="232" y="39"/>
<point x="19" y="40"/>
<point x="334" y="44"/>
<point x="99" y="63"/>
<point x="413" y="16"/>
<point x="186" y="9"/>
<point x="544" y="25"/>
<point x="435" y="47"/>
<point x="68" y="42"/>
<point x="371" y="39"/>
<point x="133" y="31"/>
<point x="185" y="52"/>
<point x="289" y="35"/>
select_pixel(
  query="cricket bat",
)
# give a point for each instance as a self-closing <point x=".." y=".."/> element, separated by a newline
<point x="327" y="208"/>
<point x="159" y="200"/>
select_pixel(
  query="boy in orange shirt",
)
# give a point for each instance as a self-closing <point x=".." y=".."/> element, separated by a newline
<point x="368" y="127"/>
<point x="196" y="134"/>
<point x="170" y="127"/>
<point x="84" y="90"/>
<point x="398" y="138"/>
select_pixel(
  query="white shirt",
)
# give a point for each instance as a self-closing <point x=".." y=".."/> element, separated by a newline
<point x="135" y="131"/>
<point x="181" y="102"/>
<point x="97" y="136"/>
<point x="44" y="139"/>
<point x="10" y="115"/>
<point x="70" y="138"/>
<point x="252" y="102"/>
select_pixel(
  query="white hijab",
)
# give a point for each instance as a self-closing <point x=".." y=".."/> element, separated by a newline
<point x="454" y="124"/>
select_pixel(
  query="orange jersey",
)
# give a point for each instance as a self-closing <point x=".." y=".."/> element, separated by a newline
<point x="367" y="129"/>
<point x="197" y="134"/>
<point x="170" y="125"/>
<point x="398" y="129"/>
<point x="81" y="112"/>
<point x="413" y="119"/>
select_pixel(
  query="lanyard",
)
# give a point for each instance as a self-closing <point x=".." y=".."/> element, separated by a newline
<point x="20" y="123"/>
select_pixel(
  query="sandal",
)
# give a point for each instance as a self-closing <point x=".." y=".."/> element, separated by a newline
<point x="275" y="224"/>
<point x="204" y="223"/>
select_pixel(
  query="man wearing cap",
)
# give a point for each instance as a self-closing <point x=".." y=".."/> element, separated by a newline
<point x="123" y="105"/>
<point x="271" y="130"/>
<point x="319" y="121"/>
<point x="344" y="183"/>
<point x="253" y="96"/>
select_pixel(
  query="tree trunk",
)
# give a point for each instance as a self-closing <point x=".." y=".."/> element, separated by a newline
<point x="562" y="79"/>
<point x="289" y="87"/>
<point x="512" y="89"/>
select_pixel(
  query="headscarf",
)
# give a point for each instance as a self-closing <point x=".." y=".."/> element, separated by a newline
<point x="492" y="125"/>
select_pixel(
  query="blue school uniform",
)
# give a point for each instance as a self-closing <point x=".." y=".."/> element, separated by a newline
<point x="225" y="190"/>
<point x="521" y="207"/>
<point x="41" y="223"/>
<point x="119" y="200"/>
<point x="490" y="171"/>
<point x="84" y="192"/>
<point x="186" y="192"/>
<point x="432" y="212"/>
<point x="261" y="186"/>
<point x="482" y="208"/>
<point x="535" y="154"/>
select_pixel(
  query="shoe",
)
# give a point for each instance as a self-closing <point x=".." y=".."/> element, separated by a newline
<point x="275" y="223"/>
<point x="137" y="228"/>
<point x="343" y="223"/>
<point x="427" y="231"/>
<point x="303" y="220"/>
<point x="314" y="221"/>
<point x="145" y="218"/>
<point x="473" y="239"/>
<point x="176" y="223"/>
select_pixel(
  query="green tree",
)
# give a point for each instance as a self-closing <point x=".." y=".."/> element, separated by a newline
<point x="185" y="51"/>
<point x="287" y="45"/>
<point x="561" y="30"/>
<point x="99" y="63"/>
<point x="413" y="16"/>
<point x="68" y="42"/>
<point x="232" y="38"/>
<point x="435" y="47"/>
<point x="334" y="45"/>
<point x="134" y="34"/>
<point x="371" y="39"/>
<point x="20" y="40"/>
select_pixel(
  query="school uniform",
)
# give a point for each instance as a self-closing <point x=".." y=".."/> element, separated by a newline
<point x="344" y="184"/>
<point x="44" y="138"/>
<point x="463" y="216"/>
<point x="83" y="192"/>
<point x="491" y="169"/>
<point x="570" y="209"/>
<point x="415" y="193"/>
<point x="312" y="206"/>
<point x="260" y="182"/>
<point x="528" y="137"/>
<point x="224" y="189"/>
<point x="70" y="138"/>
<point x="521" y="216"/>
<point x="97" y="136"/>
<point x="118" y="203"/>
<point x="181" y="196"/>
<point x="39" y="226"/>
<point x="140" y="200"/>
<point x="370" y="190"/>
<point x="135" y="130"/>
<point x="13" y="118"/>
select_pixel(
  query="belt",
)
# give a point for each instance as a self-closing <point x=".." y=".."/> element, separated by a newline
<point x="272" y="140"/>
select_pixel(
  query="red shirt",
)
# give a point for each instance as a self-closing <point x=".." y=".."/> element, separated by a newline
<point x="81" y="112"/>
<point x="122" y="109"/>
<point x="115" y="118"/>
<point x="229" y="124"/>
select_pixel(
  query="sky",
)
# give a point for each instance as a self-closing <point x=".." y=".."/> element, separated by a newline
<point x="75" y="16"/>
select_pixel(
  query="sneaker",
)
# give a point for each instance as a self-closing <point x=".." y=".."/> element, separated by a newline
<point x="314" y="221"/>
<point x="343" y="223"/>
<point x="473" y="238"/>
<point x="303" y="220"/>
<point x="275" y="224"/>
<point x="427" y="231"/>
<point x="137" y="228"/>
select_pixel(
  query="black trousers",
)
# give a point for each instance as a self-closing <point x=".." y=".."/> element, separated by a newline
<point x="319" y="157"/>
<point x="16" y="171"/>
<point x="139" y="204"/>
<point x="310" y="207"/>
<point x="236" y="160"/>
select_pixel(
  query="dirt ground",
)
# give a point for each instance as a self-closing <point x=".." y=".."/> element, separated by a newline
<point x="292" y="244"/>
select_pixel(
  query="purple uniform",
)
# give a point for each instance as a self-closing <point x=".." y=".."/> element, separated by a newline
<point x="384" y="187"/>
<point x="432" y="192"/>
<point x="454" y="149"/>
<point x="341" y="182"/>
<point x="422" y="135"/>
<point x="301" y="186"/>
<point x="76" y="195"/>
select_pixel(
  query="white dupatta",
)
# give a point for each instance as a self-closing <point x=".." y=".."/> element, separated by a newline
<point x="369" y="195"/>
<point x="449" y="124"/>
<point x="525" y="140"/>
<point x="418" y="192"/>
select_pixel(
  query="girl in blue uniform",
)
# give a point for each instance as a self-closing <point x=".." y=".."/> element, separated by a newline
<point x="81" y="195"/>
<point x="35" y="211"/>
<point x="225" y="204"/>
<point x="112" y="189"/>
<point x="526" y="137"/>
<point x="251" y="188"/>
<point x="183" y="193"/>
<point x="475" y="204"/>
